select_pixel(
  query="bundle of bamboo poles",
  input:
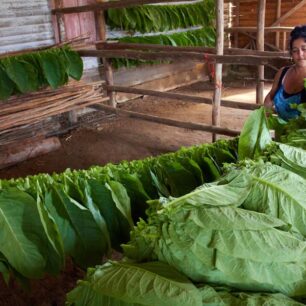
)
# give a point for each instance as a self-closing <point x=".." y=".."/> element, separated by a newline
<point x="34" y="107"/>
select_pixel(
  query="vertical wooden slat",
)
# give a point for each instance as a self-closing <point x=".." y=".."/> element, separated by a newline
<point x="56" y="21"/>
<point x="237" y="17"/>
<point x="285" y="41"/>
<point x="260" y="46"/>
<point x="278" y="14"/>
<point x="108" y="71"/>
<point x="218" y="74"/>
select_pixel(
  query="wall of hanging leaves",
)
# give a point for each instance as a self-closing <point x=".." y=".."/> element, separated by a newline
<point x="176" y="24"/>
<point x="32" y="71"/>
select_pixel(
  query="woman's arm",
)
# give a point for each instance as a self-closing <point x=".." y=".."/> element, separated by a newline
<point x="268" y="102"/>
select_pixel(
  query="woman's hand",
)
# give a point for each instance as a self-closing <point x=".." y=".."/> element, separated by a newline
<point x="268" y="105"/>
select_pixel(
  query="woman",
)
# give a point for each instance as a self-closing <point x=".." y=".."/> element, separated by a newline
<point x="288" y="86"/>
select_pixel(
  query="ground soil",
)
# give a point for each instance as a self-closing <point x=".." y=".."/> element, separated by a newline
<point x="117" y="139"/>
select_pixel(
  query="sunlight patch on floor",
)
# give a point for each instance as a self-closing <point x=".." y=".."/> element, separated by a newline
<point x="246" y="95"/>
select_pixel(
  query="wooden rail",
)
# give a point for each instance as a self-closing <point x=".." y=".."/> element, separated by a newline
<point x="105" y="6"/>
<point x="171" y="122"/>
<point x="177" y="96"/>
<point x="195" y="56"/>
<point x="114" y="45"/>
<point x="165" y="53"/>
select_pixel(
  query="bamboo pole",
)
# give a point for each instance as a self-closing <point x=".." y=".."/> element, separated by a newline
<point x="260" y="46"/>
<point x="170" y="122"/>
<point x="218" y="74"/>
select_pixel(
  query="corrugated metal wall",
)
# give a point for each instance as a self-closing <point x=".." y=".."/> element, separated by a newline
<point x="25" y="24"/>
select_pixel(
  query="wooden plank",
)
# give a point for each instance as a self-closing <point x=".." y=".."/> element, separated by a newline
<point x="278" y="14"/>
<point x="254" y="29"/>
<point x="182" y="97"/>
<point x="170" y="122"/>
<point x="194" y="56"/>
<point x="155" y="47"/>
<point x="260" y="40"/>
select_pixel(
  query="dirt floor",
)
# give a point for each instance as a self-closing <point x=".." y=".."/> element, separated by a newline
<point x="120" y="139"/>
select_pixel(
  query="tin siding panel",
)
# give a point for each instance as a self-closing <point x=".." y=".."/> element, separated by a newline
<point x="25" y="25"/>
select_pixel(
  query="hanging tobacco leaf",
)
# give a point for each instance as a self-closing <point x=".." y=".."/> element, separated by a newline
<point x="75" y="64"/>
<point x="53" y="69"/>
<point x="6" y="85"/>
<point x="22" y="73"/>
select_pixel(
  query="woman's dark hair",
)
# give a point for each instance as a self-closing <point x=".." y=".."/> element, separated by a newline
<point x="296" y="33"/>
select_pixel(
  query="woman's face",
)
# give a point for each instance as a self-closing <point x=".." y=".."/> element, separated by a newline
<point x="298" y="52"/>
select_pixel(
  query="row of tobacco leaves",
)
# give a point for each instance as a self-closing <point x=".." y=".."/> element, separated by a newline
<point x="216" y="224"/>
<point x="187" y="23"/>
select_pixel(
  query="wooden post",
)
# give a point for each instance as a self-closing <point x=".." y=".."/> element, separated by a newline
<point x="237" y="21"/>
<point x="56" y="21"/>
<point x="285" y="41"/>
<point x="108" y="71"/>
<point x="278" y="14"/>
<point x="218" y="74"/>
<point x="260" y="46"/>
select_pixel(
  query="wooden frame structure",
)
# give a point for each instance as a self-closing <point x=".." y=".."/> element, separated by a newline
<point x="217" y="56"/>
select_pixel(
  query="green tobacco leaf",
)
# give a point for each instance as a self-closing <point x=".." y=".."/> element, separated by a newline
<point x="255" y="135"/>
<point x="179" y="179"/>
<point x="211" y="172"/>
<point x="232" y="194"/>
<point x="56" y="254"/>
<point x="278" y="192"/>
<point x="117" y="225"/>
<point x="22" y="73"/>
<point x="137" y="194"/>
<point x="291" y="158"/>
<point x="53" y="69"/>
<point x="6" y="85"/>
<point x="83" y="239"/>
<point x="21" y="237"/>
<point x="121" y="199"/>
<point x="226" y="296"/>
<point x="58" y="212"/>
<point x="75" y="64"/>
<point x="124" y="284"/>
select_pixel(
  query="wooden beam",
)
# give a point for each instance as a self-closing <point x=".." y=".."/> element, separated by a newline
<point x="108" y="71"/>
<point x="237" y="22"/>
<point x="182" y="97"/>
<point x="166" y="121"/>
<point x="254" y="29"/>
<point x="194" y="56"/>
<point x="278" y="14"/>
<point x="289" y="13"/>
<point x="105" y="6"/>
<point x="154" y="47"/>
<point x="266" y="44"/>
<point x="260" y="39"/>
